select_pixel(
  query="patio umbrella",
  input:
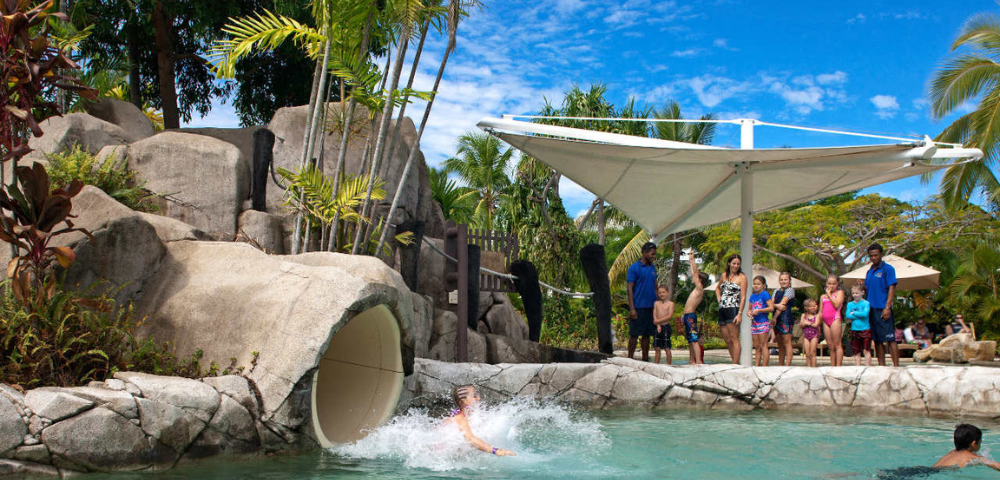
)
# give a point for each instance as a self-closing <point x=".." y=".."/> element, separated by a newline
<point x="669" y="187"/>
<point x="771" y="276"/>
<point x="910" y="275"/>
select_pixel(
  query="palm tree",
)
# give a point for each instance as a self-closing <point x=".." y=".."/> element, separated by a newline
<point x="457" y="203"/>
<point x="977" y="283"/>
<point x="482" y="164"/>
<point x="966" y="77"/>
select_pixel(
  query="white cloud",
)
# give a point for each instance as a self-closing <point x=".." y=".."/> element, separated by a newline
<point x="690" y="52"/>
<point x="712" y="90"/>
<point x="921" y="103"/>
<point x="837" y="77"/>
<point x="908" y="15"/>
<point x="859" y="18"/>
<point x="886" y="106"/>
<point x="723" y="44"/>
<point x="573" y="193"/>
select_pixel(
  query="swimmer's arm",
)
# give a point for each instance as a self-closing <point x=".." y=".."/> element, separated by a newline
<point x="988" y="462"/>
<point x="477" y="442"/>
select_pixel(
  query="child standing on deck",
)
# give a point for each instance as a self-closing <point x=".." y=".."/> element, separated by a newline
<point x="663" y="310"/>
<point x="861" y="334"/>
<point x="690" y="318"/>
<point x="761" y="304"/>
<point x="810" y="330"/>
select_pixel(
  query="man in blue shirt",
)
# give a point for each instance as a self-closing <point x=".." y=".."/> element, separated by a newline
<point x="880" y="281"/>
<point x="641" y="299"/>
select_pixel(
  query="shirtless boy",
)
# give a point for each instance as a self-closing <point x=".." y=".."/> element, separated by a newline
<point x="690" y="318"/>
<point x="968" y="439"/>
<point x="663" y="312"/>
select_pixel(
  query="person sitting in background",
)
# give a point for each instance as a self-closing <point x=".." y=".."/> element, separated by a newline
<point x="922" y="334"/>
<point x="957" y="326"/>
<point x="900" y="335"/>
<point x="908" y="336"/>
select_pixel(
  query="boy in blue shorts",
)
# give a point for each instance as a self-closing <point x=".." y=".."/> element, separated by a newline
<point x="690" y="318"/>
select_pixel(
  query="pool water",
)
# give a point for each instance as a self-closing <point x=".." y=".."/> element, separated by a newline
<point x="555" y="442"/>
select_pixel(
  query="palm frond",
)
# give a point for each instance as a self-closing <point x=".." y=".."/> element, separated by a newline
<point x="263" y="31"/>
<point x="628" y="256"/>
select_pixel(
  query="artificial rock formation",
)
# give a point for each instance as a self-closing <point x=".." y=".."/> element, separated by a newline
<point x="90" y="133"/>
<point x="416" y="203"/>
<point x="620" y="382"/>
<point x="123" y="114"/>
<point x="132" y="422"/>
<point x="958" y="348"/>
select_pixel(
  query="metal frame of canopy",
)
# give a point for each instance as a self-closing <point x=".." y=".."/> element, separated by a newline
<point x="914" y="152"/>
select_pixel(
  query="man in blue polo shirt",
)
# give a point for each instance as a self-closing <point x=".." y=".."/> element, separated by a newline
<point x="641" y="299"/>
<point x="880" y="281"/>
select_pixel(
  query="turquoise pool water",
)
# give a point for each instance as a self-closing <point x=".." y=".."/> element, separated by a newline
<point x="553" y="442"/>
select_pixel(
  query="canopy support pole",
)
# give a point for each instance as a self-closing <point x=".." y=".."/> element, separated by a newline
<point x="746" y="239"/>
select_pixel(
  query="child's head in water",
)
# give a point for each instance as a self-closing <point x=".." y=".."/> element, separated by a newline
<point x="465" y="396"/>
<point x="968" y="437"/>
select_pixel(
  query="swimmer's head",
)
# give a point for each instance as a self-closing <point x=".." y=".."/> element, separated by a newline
<point x="968" y="437"/>
<point x="465" y="396"/>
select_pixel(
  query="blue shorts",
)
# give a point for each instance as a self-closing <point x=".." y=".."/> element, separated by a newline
<point x="690" y="327"/>
<point x="883" y="331"/>
<point x="642" y="325"/>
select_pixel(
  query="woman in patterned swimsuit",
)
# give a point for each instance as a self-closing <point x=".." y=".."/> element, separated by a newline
<point x="732" y="295"/>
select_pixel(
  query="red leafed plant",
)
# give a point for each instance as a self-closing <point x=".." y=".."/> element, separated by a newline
<point x="30" y="215"/>
<point x="29" y="66"/>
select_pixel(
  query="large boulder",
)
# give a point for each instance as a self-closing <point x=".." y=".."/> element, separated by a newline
<point x="123" y="114"/>
<point x="241" y="138"/>
<point x="288" y="125"/>
<point x="431" y="266"/>
<point x="274" y="315"/>
<point x="262" y="230"/>
<point x="100" y="439"/>
<point x="205" y="178"/>
<point x="503" y="319"/>
<point x="444" y="335"/>
<point x="90" y="133"/>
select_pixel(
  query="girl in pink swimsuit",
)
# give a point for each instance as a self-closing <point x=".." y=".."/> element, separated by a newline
<point x="831" y="303"/>
<point x="810" y="331"/>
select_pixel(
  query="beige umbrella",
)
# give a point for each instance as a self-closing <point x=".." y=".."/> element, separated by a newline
<point x="771" y="276"/>
<point x="909" y="275"/>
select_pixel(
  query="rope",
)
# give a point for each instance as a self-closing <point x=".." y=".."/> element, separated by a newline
<point x="511" y="277"/>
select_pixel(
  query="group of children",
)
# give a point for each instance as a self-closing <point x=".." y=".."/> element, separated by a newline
<point x="828" y="315"/>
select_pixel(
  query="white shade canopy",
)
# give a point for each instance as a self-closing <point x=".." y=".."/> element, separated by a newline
<point x="910" y="275"/>
<point x="770" y="276"/>
<point x="670" y="187"/>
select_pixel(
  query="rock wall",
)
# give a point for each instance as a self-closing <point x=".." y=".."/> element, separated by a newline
<point x="132" y="422"/>
<point x="620" y="382"/>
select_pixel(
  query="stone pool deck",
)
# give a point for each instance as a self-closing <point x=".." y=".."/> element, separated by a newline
<point x="623" y="383"/>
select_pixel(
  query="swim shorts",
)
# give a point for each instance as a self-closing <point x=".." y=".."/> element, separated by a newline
<point x="883" y="331"/>
<point x="861" y="340"/>
<point x="690" y="327"/>
<point x="642" y="325"/>
<point x="662" y="339"/>
<point x="784" y="325"/>
<point x="727" y="315"/>
<point x="760" y="328"/>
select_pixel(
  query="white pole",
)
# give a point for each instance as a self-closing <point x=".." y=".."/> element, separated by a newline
<point x="746" y="238"/>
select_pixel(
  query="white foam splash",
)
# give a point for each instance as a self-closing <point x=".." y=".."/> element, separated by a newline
<point x="537" y="432"/>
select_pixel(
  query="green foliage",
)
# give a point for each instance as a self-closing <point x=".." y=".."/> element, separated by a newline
<point x="69" y="339"/>
<point x="976" y="287"/>
<point x="482" y="162"/>
<point x="972" y="76"/>
<point x="457" y="203"/>
<point x="568" y="323"/>
<point x="111" y="176"/>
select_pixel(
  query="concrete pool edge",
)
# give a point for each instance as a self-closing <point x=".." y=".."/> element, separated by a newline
<point x="623" y="383"/>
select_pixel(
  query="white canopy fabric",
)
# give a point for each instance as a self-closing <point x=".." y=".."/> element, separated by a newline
<point x="670" y="187"/>
<point x="910" y="275"/>
<point x="770" y="276"/>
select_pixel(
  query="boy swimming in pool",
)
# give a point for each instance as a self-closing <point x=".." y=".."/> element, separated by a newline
<point x="968" y="439"/>
<point x="690" y="318"/>
<point x="465" y="398"/>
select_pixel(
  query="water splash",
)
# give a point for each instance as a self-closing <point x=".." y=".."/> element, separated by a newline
<point x="539" y="433"/>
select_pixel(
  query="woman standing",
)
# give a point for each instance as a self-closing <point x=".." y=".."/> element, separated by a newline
<point x="732" y="295"/>
<point x="830" y="305"/>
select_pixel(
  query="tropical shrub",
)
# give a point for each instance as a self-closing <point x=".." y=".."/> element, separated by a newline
<point x="70" y="339"/>
<point x="110" y="176"/>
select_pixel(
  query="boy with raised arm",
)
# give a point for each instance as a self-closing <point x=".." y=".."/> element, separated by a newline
<point x="690" y="317"/>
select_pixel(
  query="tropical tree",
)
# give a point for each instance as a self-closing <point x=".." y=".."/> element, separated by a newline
<point x="971" y="76"/>
<point x="482" y="163"/>
<point x="457" y="203"/>
<point x="977" y="285"/>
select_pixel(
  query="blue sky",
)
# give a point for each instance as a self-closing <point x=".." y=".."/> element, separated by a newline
<point x="858" y="65"/>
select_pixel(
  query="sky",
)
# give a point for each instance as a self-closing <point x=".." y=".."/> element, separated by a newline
<point x="856" y="65"/>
